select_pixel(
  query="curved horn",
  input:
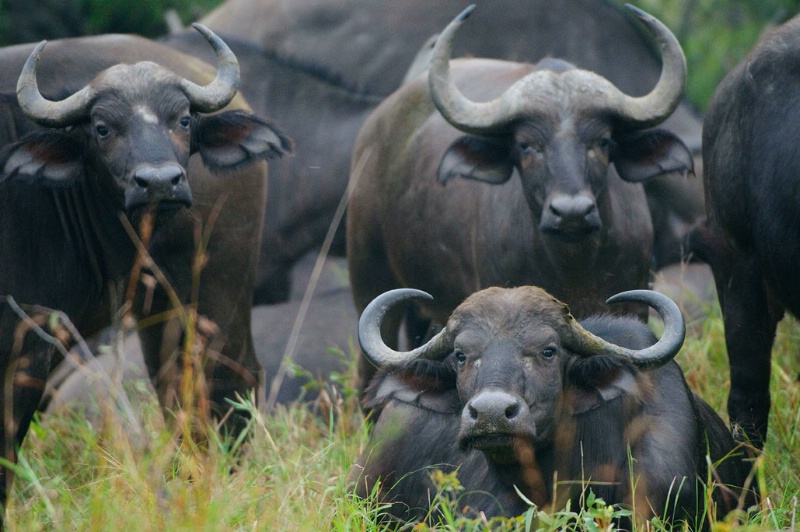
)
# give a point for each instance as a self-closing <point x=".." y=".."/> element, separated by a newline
<point x="369" y="332"/>
<point x="658" y="104"/>
<point x="462" y="113"/>
<point x="584" y="342"/>
<point x="41" y="110"/>
<point x="221" y="91"/>
<point x="494" y="117"/>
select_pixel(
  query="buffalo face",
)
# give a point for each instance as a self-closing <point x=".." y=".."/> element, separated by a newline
<point x="561" y="127"/>
<point x="513" y="352"/>
<point x="132" y="129"/>
<point x="509" y="386"/>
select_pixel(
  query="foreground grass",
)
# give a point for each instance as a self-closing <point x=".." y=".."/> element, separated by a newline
<point x="292" y="472"/>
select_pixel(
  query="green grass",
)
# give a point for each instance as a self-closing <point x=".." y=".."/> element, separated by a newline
<point x="291" y="474"/>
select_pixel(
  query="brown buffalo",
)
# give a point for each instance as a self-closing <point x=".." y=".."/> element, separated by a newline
<point x="109" y="199"/>
<point x="498" y="173"/>
<point x="320" y="68"/>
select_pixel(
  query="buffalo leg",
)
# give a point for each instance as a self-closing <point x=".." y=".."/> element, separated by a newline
<point x="221" y="366"/>
<point x="750" y="323"/>
<point x="26" y="361"/>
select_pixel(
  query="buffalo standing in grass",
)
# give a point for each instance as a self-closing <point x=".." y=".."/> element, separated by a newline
<point x="320" y="67"/>
<point x="452" y="196"/>
<point x="751" y="238"/>
<point x="515" y="394"/>
<point x="113" y="148"/>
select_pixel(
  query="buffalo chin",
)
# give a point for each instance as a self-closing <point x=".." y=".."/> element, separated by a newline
<point x="498" y="448"/>
<point x="573" y="236"/>
<point x="161" y="211"/>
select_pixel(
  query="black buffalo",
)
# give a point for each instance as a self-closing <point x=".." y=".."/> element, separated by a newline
<point x="515" y="394"/>
<point x="321" y="67"/>
<point x="105" y="209"/>
<point x="529" y="195"/>
<point x="751" y="238"/>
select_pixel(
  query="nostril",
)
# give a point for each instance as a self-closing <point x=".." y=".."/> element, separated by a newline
<point x="140" y="182"/>
<point x="473" y="413"/>
<point x="512" y="411"/>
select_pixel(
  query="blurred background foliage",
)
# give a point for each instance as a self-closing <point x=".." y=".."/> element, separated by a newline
<point x="33" y="20"/>
<point x="715" y="34"/>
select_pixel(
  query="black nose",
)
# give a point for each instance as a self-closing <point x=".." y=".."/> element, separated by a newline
<point x="165" y="185"/>
<point x="570" y="216"/>
<point x="493" y="410"/>
<point x="159" y="182"/>
<point x="494" y="406"/>
<point x="568" y="207"/>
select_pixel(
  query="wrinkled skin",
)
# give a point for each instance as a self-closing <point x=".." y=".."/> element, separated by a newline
<point x="751" y="238"/>
<point x="513" y="406"/>
<point x="336" y="80"/>
<point x="70" y="192"/>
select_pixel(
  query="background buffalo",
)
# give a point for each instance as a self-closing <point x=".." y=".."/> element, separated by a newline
<point x="342" y="58"/>
<point x="751" y="238"/>
<point x="495" y="173"/>
<point x="105" y="211"/>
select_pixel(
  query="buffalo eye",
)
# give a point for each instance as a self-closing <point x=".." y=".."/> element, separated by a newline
<point x="460" y="357"/>
<point x="603" y="145"/>
<point x="549" y="352"/>
<point x="528" y="149"/>
<point x="102" y="131"/>
<point x="185" y="121"/>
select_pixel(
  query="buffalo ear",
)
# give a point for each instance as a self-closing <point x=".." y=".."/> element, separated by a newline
<point x="233" y="139"/>
<point x="645" y="154"/>
<point x="427" y="385"/>
<point x="482" y="159"/>
<point x="48" y="157"/>
<point x="596" y="380"/>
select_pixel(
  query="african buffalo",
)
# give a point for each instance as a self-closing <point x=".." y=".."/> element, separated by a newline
<point x="515" y="394"/>
<point x="751" y="238"/>
<point x="321" y="67"/>
<point x="104" y="210"/>
<point x="527" y="196"/>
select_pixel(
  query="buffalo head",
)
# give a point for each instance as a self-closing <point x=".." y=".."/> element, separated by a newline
<point x="138" y="124"/>
<point x="560" y="127"/>
<point x="513" y="353"/>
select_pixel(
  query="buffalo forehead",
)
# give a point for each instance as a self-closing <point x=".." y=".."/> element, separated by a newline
<point x="140" y="78"/>
<point x="520" y="308"/>
<point x="144" y="91"/>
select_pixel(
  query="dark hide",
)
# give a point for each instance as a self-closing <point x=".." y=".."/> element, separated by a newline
<point x="751" y="238"/>
<point x="604" y="410"/>
<point x="325" y="335"/>
<point x="302" y="67"/>
<point x="67" y="197"/>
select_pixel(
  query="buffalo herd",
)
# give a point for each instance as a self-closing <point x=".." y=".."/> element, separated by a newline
<point x="495" y="192"/>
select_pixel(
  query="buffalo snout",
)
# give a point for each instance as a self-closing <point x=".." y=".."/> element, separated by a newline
<point x="570" y="216"/>
<point x="157" y="184"/>
<point x="492" y="420"/>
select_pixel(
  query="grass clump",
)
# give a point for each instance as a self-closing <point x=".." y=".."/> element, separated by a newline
<point x="290" y="473"/>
